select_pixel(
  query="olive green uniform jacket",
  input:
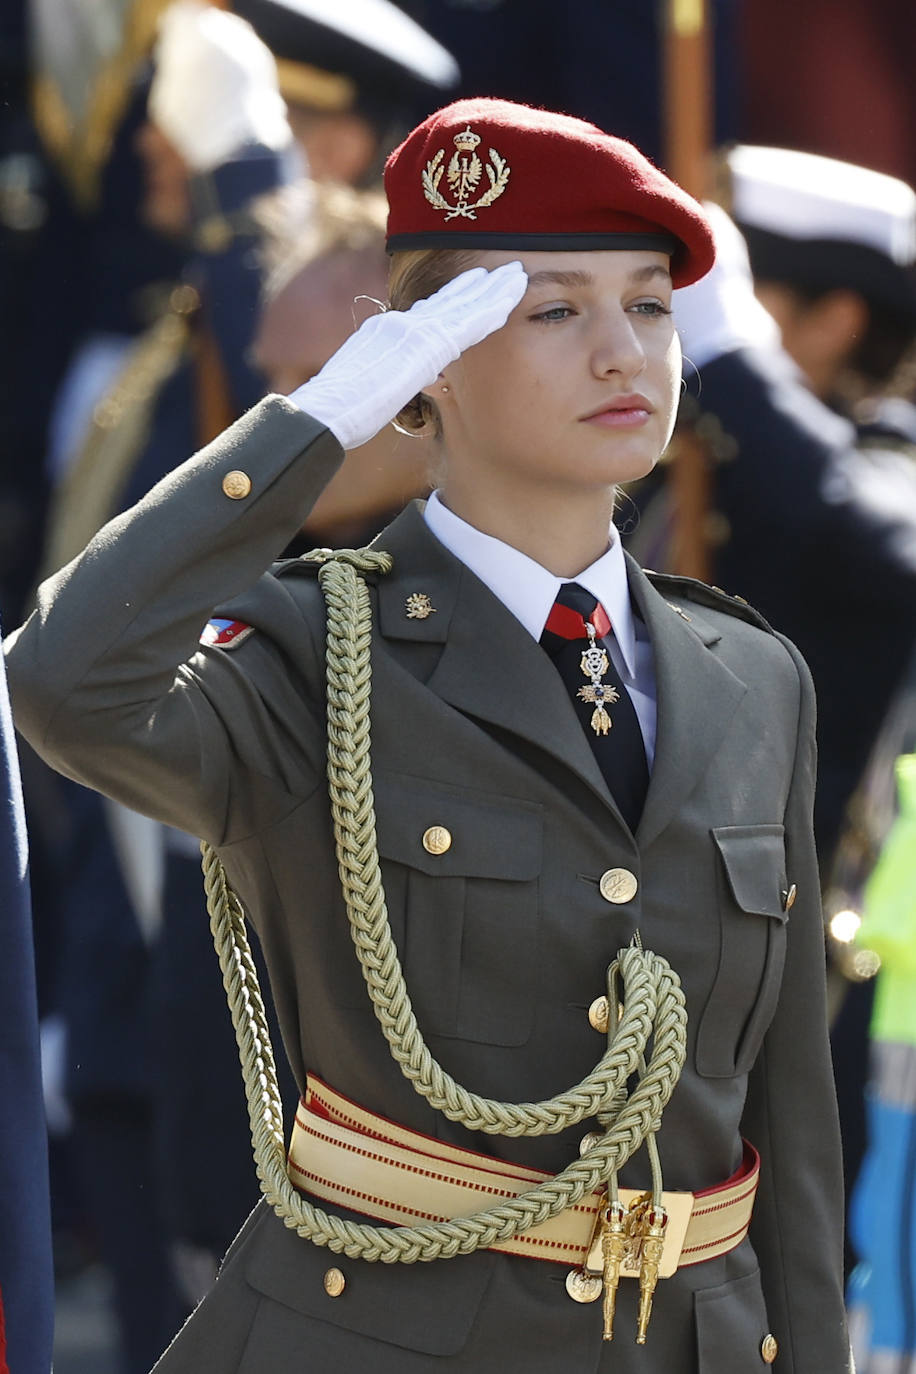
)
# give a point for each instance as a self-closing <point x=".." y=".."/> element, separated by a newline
<point x="505" y="938"/>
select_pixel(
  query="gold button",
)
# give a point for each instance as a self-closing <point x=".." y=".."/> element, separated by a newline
<point x="184" y="300"/>
<point x="589" y="1141"/>
<point x="436" y="840"/>
<point x="334" y="1283"/>
<point x="598" y="1014"/>
<point x="236" y="484"/>
<point x="769" y="1349"/>
<point x="583" y="1287"/>
<point x="618" y="885"/>
<point x="790" y="897"/>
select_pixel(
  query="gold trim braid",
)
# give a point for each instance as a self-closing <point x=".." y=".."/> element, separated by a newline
<point x="82" y="149"/>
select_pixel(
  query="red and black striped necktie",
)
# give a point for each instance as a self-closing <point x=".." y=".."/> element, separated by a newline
<point x="600" y="699"/>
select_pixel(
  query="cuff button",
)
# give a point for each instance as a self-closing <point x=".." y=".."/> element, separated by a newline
<point x="236" y="485"/>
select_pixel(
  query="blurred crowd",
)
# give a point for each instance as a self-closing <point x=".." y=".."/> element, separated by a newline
<point x="190" y="216"/>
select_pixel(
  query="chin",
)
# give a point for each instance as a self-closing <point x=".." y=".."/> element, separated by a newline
<point x="624" y="465"/>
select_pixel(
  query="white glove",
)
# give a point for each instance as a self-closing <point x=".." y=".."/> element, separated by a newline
<point x="215" y="87"/>
<point x="720" y="312"/>
<point x="394" y="355"/>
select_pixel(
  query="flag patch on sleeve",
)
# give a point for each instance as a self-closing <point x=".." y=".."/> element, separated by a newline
<point x="226" y="634"/>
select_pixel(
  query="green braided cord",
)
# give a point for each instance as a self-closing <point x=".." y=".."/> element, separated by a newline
<point x="653" y="1002"/>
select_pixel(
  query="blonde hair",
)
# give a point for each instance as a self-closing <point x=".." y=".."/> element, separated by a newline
<point x="412" y="276"/>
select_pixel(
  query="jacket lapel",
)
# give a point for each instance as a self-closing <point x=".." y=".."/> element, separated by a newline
<point x="697" y="697"/>
<point x="490" y="668"/>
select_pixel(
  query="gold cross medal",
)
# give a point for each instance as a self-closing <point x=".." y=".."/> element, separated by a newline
<point x="594" y="664"/>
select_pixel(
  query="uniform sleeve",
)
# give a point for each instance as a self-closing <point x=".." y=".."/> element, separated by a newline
<point x="791" y="1116"/>
<point x="107" y="678"/>
<point x="228" y="268"/>
<point x="789" y="466"/>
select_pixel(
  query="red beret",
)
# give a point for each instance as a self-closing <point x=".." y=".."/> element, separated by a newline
<point x="491" y="174"/>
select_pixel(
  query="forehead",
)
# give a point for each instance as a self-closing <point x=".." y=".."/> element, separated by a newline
<point x="603" y="267"/>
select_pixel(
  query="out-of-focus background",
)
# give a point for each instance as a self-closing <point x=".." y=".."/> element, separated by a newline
<point x="190" y="216"/>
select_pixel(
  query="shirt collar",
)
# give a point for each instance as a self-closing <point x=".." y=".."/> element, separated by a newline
<point x="529" y="590"/>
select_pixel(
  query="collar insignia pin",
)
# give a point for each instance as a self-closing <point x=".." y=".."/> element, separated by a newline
<point x="418" y="606"/>
<point x="463" y="175"/>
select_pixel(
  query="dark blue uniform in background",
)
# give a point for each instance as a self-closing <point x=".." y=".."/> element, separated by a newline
<point x="26" y="1279"/>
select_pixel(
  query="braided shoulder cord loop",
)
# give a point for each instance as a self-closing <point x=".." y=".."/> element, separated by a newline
<point x="652" y="1000"/>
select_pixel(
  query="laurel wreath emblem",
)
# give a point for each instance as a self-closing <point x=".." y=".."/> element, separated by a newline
<point x="463" y="175"/>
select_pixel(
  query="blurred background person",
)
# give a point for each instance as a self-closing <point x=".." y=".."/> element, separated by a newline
<point x="215" y="92"/>
<point x="832" y="248"/>
<point x="832" y="252"/>
<point x="26" y="1284"/>
<point x="815" y="530"/>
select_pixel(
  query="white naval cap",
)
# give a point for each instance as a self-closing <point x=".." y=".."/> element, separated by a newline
<point x="804" y="196"/>
<point x="821" y="224"/>
<point x="370" y="48"/>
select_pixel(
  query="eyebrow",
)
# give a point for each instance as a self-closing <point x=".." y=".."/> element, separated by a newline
<point x="586" y="279"/>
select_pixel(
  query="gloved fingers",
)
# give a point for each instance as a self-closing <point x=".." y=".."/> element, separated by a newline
<point x="477" y="285"/>
<point x="482" y="307"/>
<point x="457" y="286"/>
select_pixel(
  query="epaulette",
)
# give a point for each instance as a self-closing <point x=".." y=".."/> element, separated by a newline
<point x="284" y="566"/>
<point x="311" y="563"/>
<point x="691" y="589"/>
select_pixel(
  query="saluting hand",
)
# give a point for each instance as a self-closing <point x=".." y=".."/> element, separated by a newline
<point x="215" y="86"/>
<point x="394" y="355"/>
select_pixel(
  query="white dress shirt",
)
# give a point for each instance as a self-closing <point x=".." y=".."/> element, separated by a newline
<point x="529" y="591"/>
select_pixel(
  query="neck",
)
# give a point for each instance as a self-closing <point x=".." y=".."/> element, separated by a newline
<point x="563" y="532"/>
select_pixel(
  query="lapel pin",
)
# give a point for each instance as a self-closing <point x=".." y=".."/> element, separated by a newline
<point x="418" y="606"/>
<point x="677" y="610"/>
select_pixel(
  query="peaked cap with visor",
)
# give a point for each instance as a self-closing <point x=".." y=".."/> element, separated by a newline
<point x="484" y="173"/>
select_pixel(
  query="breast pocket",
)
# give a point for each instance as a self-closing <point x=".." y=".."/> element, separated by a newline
<point x="461" y="872"/>
<point x="751" y="882"/>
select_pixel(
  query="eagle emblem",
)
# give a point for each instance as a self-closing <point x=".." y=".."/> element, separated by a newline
<point x="463" y="176"/>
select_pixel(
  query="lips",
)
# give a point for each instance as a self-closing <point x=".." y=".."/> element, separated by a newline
<point x="621" y="406"/>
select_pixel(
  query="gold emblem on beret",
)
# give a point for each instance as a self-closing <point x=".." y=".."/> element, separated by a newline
<point x="463" y="175"/>
<point x="418" y="606"/>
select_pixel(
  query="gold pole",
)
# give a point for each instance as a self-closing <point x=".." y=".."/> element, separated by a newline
<point x="688" y="124"/>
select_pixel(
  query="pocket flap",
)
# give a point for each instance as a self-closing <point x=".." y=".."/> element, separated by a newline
<point x="489" y="836"/>
<point x="422" y="1307"/>
<point x="755" y="864"/>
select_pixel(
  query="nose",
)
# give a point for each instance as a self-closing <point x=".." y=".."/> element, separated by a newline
<point x="617" y="348"/>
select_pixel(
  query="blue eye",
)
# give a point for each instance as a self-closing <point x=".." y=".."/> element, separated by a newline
<point x="654" y="309"/>
<point x="555" y="313"/>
